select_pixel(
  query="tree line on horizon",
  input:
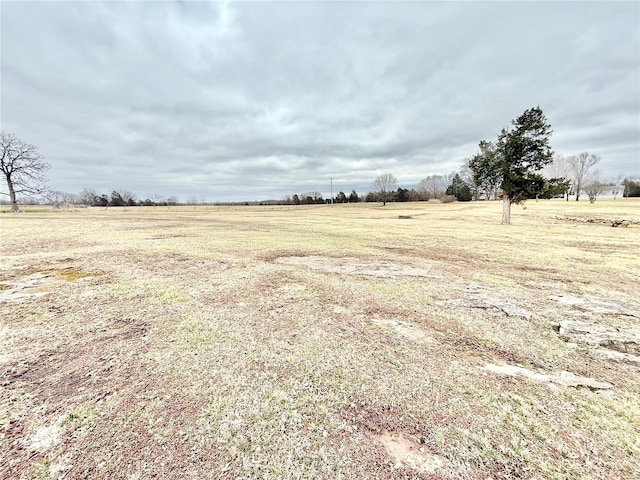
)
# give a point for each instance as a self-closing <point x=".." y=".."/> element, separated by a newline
<point x="517" y="166"/>
<point x="443" y="188"/>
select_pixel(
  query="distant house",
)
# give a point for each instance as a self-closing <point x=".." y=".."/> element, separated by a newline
<point x="613" y="191"/>
<point x="610" y="191"/>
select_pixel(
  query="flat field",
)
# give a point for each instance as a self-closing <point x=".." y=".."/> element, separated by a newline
<point x="321" y="342"/>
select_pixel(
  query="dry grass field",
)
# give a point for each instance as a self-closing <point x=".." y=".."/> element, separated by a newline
<point x="320" y="342"/>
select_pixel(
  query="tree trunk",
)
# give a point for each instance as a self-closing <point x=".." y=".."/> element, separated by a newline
<point x="506" y="210"/>
<point x="12" y="195"/>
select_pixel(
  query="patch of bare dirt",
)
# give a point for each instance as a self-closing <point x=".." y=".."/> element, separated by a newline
<point x="377" y="418"/>
<point x="355" y="266"/>
<point x="66" y="369"/>
<point x="153" y="447"/>
<point x="85" y="369"/>
<point x="408" y="453"/>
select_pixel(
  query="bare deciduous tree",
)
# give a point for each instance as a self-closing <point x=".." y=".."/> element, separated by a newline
<point x="594" y="188"/>
<point x="61" y="199"/>
<point x="579" y="166"/>
<point x="435" y="185"/>
<point x="159" y="199"/>
<point x="87" y="197"/>
<point x="23" y="167"/>
<point x="384" y="184"/>
<point x="128" y="197"/>
<point x="616" y="185"/>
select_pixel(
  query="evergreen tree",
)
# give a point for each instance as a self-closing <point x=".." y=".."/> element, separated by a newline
<point x="459" y="189"/>
<point x="116" y="199"/>
<point x="520" y="154"/>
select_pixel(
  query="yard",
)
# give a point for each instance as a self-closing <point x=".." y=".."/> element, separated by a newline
<point x="321" y="342"/>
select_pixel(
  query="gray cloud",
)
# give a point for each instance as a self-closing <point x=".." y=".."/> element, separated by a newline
<point x="255" y="100"/>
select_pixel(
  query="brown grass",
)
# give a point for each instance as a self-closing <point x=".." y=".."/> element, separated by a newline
<point x="181" y="342"/>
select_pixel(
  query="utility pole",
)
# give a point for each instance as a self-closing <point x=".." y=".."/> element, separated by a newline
<point x="331" y="191"/>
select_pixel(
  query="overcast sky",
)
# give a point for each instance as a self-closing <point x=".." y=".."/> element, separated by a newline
<point x="251" y="101"/>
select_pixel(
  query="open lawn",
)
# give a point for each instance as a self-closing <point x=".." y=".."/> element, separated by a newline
<point x="320" y="342"/>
